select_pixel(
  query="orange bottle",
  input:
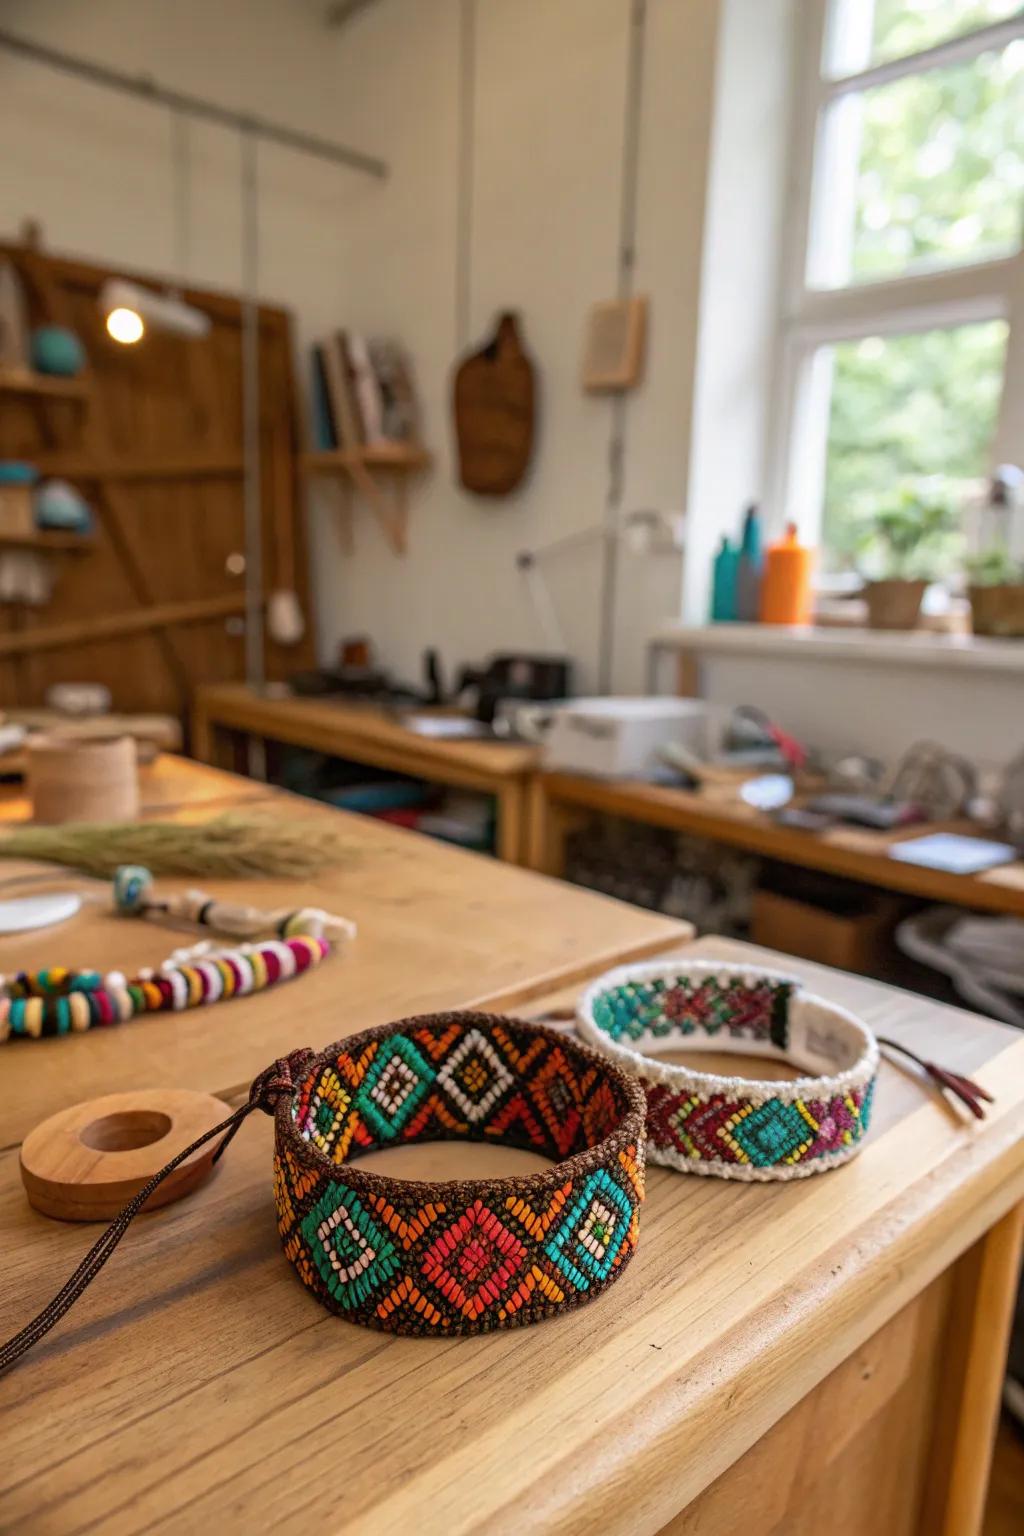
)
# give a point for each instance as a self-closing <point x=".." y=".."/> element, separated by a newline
<point x="786" y="584"/>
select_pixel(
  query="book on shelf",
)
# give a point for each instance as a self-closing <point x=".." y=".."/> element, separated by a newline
<point x="345" y="421"/>
<point x="352" y="432"/>
<point x="367" y="389"/>
<point x="399" y="409"/>
<point x="363" y="394"/>
<point x="324" y="436"/>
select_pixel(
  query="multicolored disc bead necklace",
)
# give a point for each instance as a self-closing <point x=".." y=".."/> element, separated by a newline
<point x="60" y="1001"/>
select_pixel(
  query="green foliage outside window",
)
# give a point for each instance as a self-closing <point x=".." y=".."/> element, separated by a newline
<point x="941" y="181"/>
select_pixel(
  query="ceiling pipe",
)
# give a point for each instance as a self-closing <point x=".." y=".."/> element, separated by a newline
<point x="145" y="88"/>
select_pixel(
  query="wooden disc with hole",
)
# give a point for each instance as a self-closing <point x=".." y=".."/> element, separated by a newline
<point x="86" y="1162"/>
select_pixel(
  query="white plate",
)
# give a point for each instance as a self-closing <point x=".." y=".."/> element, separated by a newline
<point x="25" y="912"/>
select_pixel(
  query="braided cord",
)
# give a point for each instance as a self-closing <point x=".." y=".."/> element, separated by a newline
<point x="273" y="1084"/>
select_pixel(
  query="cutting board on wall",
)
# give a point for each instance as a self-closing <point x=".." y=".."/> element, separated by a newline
<point x="495" y="403"/>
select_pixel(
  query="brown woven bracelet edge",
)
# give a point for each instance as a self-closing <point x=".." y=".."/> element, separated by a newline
<point x="631" y="1131"/>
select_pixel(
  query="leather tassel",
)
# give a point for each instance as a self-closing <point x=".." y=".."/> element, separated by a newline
<point x="969" y="1093"/>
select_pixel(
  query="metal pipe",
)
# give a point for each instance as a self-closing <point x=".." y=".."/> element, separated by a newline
<point x="252" y="490"/>
<point x="626" y="265"/>
<point x="145" y="88"/>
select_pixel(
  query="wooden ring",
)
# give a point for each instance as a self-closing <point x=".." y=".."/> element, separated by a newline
<point x="86" y="1162"/>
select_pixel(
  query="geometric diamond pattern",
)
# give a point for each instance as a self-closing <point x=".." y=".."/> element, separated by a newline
<point x="774" y="1132"/>
<point x="395" y="1084"/>
<point x="593" y="1232"/>
<point x="428" y="1258"/>
<point x="325" y="1115"/>
<point x="742" y="1007"/>
<point x="475" y="1262"/>
<point x="351" y="1252"/>
<point x="475" y="1076"/>
<point x="559" y="1096"/>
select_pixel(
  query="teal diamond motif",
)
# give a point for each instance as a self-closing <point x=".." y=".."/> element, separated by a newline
<point x="397" y="1082"/>
<point x="589" y="1238"/>
<point x="351" y="1252"/>
<point x="771" y="1133"/>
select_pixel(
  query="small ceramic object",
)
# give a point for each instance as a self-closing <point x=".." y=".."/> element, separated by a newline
<point x="58" y="351"/>
<point x="59" y="505"/>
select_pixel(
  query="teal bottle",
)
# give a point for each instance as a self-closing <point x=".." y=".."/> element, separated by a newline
<point x="723" y="583"/>
<point x="750" y="568"/>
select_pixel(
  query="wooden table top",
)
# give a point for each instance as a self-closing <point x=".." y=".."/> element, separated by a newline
<point x="197" y="1385"/>
<point x="855" y="853"/>
<point x="332" y="725"/>
<point x="437" y="928"/>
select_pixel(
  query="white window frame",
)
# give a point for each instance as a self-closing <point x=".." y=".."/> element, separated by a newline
<point x="814" y="317"/>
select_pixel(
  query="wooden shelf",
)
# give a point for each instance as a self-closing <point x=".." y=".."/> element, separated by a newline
<point x="48" y="386"/>
<point x="360" y="467"/>
<point x="196" y="466"/>
<point x="57" y="540"/>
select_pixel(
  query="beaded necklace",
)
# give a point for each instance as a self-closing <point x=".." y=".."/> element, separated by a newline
<point x="61" y="1001"/>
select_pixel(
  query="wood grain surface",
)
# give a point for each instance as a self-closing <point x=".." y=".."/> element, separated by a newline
<point x="220" y="1394"/>
<point x="335" y="726"/>
<point x="155" y="446"/>
<point x="437" y="928"/>
<point x="367" y="733"/>
<point x="561" y="800"/>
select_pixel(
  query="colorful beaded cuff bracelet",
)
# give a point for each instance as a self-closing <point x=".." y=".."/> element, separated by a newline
<point x="735" y="1127"/>
<point x="459" y="1257"/>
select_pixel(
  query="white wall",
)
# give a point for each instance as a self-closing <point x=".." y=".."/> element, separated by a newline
<point x="738" y="354"/>
<point x="550" y="80"/>
<point x="550" y="83"/>
<point x="95" y="168"/>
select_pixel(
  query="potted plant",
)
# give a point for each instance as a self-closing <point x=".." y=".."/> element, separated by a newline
<point x="904" y="542"/>
<point x="995" y="585"/>
<point x="995" y="578"/>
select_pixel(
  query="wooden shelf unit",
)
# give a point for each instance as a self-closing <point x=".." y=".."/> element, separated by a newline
<point x="50" y="540"/>
<point x="361" y="467"/>
<point x="42" y="385"/>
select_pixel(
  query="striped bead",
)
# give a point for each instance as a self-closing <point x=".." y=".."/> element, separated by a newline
<point x="58" y="1001"/>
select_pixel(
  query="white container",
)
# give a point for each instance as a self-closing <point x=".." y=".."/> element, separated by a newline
<point x="619" y="738"/>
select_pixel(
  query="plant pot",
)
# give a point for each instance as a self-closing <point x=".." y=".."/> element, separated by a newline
<point x="894" y="604"/>
<point x="998" y="610"/>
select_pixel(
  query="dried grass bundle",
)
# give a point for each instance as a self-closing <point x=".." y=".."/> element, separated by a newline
<point x="231" y="846"/>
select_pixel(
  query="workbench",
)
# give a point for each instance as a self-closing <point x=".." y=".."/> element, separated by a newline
<point x="375" y="737"/>
<point x="561" y="801"/>
<point x="824" y="1354"/>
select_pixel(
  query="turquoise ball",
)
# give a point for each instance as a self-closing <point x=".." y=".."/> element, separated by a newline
<point x="56" y="350"/>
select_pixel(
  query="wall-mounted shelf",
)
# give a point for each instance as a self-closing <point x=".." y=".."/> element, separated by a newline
<point x="56" y="541"/>
<point x="42" y="385"/>
<point x="193" y="466"/>
<point x="365" y="468"/>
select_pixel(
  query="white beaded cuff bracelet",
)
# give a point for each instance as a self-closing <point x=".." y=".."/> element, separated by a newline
<point x="736" y="1127"/>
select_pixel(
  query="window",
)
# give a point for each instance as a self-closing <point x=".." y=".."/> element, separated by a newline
<point x="899" y="367"/>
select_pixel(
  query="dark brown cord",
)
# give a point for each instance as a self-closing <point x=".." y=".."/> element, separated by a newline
<point x="268" y="1089"/>
<point x="965" y="1089"/>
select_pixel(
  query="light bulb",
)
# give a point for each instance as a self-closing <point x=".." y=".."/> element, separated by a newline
<point x="125" y="325"/>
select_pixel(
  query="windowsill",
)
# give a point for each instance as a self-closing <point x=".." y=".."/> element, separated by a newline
<point x="912" y="648"/>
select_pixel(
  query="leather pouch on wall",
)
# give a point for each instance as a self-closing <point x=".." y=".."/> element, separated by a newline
<point x="494" y="400"/>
